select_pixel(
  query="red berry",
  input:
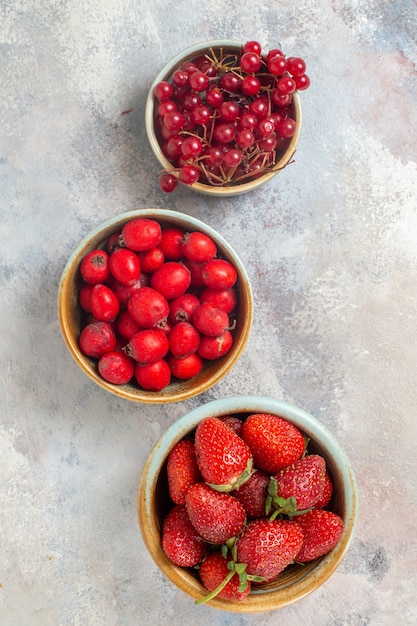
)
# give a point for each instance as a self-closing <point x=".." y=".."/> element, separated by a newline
<point x="96" y="339"/>
<point x="198" y="81"/>
<point x="296" y="66"/>
<point x="225" y="299"/>
<point x="125" y="266"/>
<point x="182" y="470"/>
<point x="250" y="62"/>
<point x="252" y="494"/>
<point x="180" y="541"/>
<point x="211" y="348"/>
<point x="304" y="480"/>
<point x="163" y="90"/>
<point x="94" y="267"/>
<point x="104" y="304"/>
<point x="210" y="320"/>
<point x="186" y="367"/>
<point x="191" y="147"/>
<point x="151" y="259"/>
<point x="171" y="279"/>
<point x="216" y="516"/>
<point x="188" y="174"/>
<point x="274" y="442"/>
<point x="198" y="247"/>
<point x="214" y="570"/>
<point x="116" y="367"/>
<point x="322" y="532"/>
<point x="171" y="243"/>
<point x="327" y="493"/>
<point x="148" y="307"/>
<point x="219" y="274"/>
<point x="184" y="339"/>
<point x="182" y="308"/>
<point x="224" y="458"/>
<point x="168" y="182"/>
<point x="147" y="346"/>
<point x="269" y="547"/>
<point x="153" y="377"/>
<point x="252" y="46"/>
<point x="126" y="325"/>
<point x="141" y="234"/>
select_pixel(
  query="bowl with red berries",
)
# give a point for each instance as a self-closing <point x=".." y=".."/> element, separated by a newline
<point x="247" y="503"/>
<point x="155" y="306"/>
<point x="224" y="117"/>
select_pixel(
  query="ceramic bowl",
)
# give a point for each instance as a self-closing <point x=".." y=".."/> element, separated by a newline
<point x="283" y="157"/>
<point x="297" y="580"/>
<point x="70" y="314"/>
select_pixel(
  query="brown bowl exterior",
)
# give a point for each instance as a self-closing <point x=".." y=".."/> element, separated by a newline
<point x="296" y="581"/>
<point x="284" y="157"/>
<point x="70" y="314"/>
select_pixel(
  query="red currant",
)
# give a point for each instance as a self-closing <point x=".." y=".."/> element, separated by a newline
<point x="296" y="66"/>
<point x="250" y="62"/>
<point x="163" y="90"/>
<point x="252" y="46"/>
<point x="198" y="81"/>
<point x="188" y="174"/>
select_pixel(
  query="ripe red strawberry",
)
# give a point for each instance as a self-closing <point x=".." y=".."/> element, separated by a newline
<point x="274" y="442"/>
<point x="233" y="422"/>
<point x="322" y="531"/>
<point x="304" y="480"/>
<point x="180" y="541"/>
<point x="327" y="493"/>
<point x="214" y="572"/>
<point x="182" y="470"/>
<point x="224" y="459"/>
<point x="252" y="494"/>
<point x="268" y="547"/>
<point x="216" y="516"/>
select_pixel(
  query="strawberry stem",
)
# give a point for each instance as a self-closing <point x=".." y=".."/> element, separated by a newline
<point x="216" y="591"/>
<point x="243" y="478"/>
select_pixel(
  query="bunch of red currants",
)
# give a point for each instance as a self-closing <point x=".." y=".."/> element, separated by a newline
<point x="158" y="302"/>
<point x="223" y="118"/>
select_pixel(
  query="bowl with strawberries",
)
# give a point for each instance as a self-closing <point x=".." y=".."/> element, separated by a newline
<point x="155" y="306"/>
<point x="247" y="504"/>
<point x="224" y="117"/>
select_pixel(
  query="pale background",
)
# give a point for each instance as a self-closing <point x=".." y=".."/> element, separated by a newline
<point x="330" y="247"/>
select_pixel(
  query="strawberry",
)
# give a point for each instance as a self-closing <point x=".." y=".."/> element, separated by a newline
<point x="304" y="480"/>
<point x="322" y="531"/>
<point x="182" y="470"/>
<point x="180" y="541"/>
<point x="252" y="494"/>
<point x="224" y="459"/>
<point x="327" y="493"/>
<point x="216" y="516"/>
<point x="274" y="442"/>
<point x="222" y="577"/>
<point x="233" y="422"/>
<point x="267" y="547"/>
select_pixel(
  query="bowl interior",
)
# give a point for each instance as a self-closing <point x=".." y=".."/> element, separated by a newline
<point x="284" y="156"/>
<point x="71" y="316"/>
<point x="297" y="580"/>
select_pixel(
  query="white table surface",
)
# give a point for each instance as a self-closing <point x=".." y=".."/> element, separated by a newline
<point x="330" y="247"/>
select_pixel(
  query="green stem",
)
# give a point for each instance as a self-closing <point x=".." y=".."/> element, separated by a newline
<point x="218" y="589"/>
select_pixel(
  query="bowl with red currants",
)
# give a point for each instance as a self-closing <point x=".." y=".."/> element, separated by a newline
<point x="224" y="117"/>
<point x="155" y="306"/>
<point x="247" y="504"/>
